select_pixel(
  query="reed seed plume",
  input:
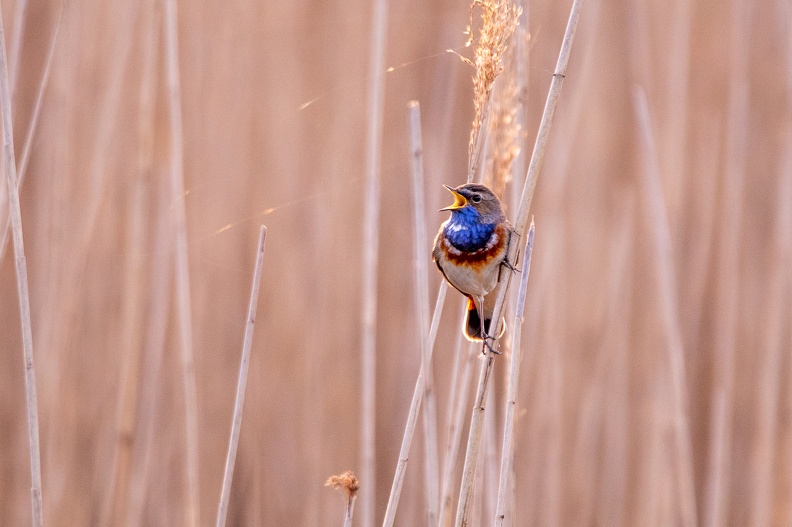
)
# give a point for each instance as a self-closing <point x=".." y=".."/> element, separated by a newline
<point x="498" y="22"/>
<point x="503" y="128"/>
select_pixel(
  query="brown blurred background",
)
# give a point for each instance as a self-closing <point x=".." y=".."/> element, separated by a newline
<point x="627" y="348"/>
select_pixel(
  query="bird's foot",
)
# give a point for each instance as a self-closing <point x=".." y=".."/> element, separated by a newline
<point x="508" y="265"/>
<point x="489" y="343"/>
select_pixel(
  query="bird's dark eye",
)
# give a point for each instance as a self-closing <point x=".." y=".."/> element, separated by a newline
<point x="475" y="198"/>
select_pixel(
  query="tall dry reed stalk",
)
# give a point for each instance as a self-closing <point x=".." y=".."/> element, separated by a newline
<point x="609" y="499"/>
<point x="431" y="462"/>
<point x="371" y="213"/>
<point x="31" y="132"/>
<point x="507" y="451"/>
<point x="144" y="457"/>
<point x="107" y="118"/>
<point x="677" y="101"/>
<point x="114" y="508"/>
<point x="412" y="419"/>
<point x="27" y="146"/>
<point x="520" y="69"/>
<point x="22" y="287"/>
<point x="117" y="497"/>
<point x="771" y="361"/>
<point x="20" y="16"/>
<point x="182" y="269"/>
<point x="457" y="399"/>
<point x="765" y="458"/>
<point x="244" y="366"/>
<point x="727" y="297"/>
<point x="664" y="268"/>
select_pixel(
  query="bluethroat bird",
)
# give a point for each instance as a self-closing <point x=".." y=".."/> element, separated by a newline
<point x="470" y="249"/>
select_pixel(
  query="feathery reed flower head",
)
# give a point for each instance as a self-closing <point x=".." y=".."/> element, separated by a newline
<point x="498" y="21"/>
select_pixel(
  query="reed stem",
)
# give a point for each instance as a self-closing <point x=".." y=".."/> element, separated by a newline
<point x="507" y="451"/>
<point x="371" y="213"/>
<point x="22" y="287"/>
<point x="431" y="463"/>
<point x="244" y="366"/>
<point x="412" y="416"/>
<point x="184" y="302"/>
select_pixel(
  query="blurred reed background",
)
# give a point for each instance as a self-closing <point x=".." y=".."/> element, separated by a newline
<point x="657" y="334"/>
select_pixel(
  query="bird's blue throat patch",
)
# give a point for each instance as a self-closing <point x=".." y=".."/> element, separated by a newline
<point x="465" y="232"/>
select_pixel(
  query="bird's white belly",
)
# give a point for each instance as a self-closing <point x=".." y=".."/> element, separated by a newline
<point x="472" y="282"/>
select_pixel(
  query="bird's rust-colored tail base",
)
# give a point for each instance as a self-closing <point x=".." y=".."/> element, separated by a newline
<point x="472" y="327"/>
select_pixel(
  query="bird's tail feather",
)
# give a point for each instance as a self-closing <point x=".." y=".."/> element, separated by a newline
<point x="473" y="320"/>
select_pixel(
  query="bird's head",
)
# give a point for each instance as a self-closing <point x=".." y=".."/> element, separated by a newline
<point x="477" y="200"/>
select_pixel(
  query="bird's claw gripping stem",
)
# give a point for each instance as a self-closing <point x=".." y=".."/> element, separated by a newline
<point x="508" y="265"/>
<point x="485" y="339"/>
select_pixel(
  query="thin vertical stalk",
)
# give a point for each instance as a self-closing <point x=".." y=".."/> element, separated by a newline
<point x="521" y="69"/>
<point x="412" y="416"/>
<point x="540" y="145"/>
<point x="34" y="119"/>
<point x="105" y="137"/>
<point x="115" y="508"/>
<point x="16" y="45"/>
<point x="22" y="286"/>
<point x="244" y="366"/>
<point x="728" y="270"/>
<point x="678" y="96"/>
<point x="664" y="268"/>
<point x="26" y="146"/>
<point x="349" y="511"/>
<point x="155" y="341"/>
<point x="507" y="451"/>
<point x="608" y="496"/>
<point x="770" y="387"/>
<point x="772" y="333"/>
<point x="474" y="437"/>
<point x="118" y="480"/>
<point x="482" y="138"/>
<point x="489" y="464"/>
<point x="431" y="463"/>
<point x="182" y="263"/>
<point x="460" y="388"/>
<point x="371" y="214"/>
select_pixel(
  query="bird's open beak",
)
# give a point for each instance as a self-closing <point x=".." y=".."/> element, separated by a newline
<point x="459" y="200"/>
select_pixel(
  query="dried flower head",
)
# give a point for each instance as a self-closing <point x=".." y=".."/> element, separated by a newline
<point x="347" y="481"/>
<point x="498" y="21"/>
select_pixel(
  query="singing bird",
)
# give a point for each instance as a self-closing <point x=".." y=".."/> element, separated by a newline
<point x="470" y="249"/>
